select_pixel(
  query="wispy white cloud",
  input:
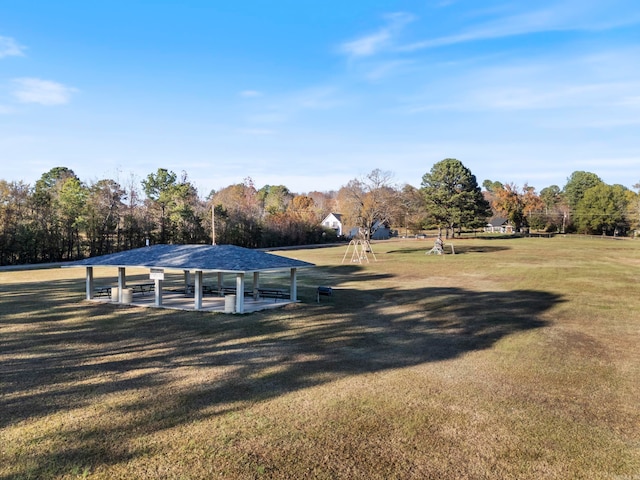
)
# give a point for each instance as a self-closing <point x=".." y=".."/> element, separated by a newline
<point x="43" y="92"/>
<point x="567" y="15"/>
<point x="368" y="45"/>
<point x="250" y="93"/>
<point x="552" y="95"/>
<point x="319" y="98"/>
<point x="10" y="48"/>
<point x="630" y="101"/>
<point x="288" y="106"/>
<point x="256" y="131"/>
<point x="268" y="116"/>
<point x="385" y="69"/>
<point x="606" y="120"/>
<point x="372" y="43"/>
<point x="590" y="82"/>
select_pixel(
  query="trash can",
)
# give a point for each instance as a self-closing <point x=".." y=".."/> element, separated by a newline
<point x="114" y="294"/>
<point x="230" y="304"/>
<point x="127" y="295"/>
<point x="323" y="291"/>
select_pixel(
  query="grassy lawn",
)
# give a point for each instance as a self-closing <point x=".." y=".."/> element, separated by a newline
<point x="513" y="359"/>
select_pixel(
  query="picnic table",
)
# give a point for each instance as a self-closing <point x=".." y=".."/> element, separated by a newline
<point x="206" y="289"/>
<point x="103" y="291"/>
<point x="274" y="293"/>
<point x="232" y="291"/>
<point x="143" y="288"/>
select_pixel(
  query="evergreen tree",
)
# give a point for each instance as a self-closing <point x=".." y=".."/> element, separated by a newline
<point x="453" y="197"/>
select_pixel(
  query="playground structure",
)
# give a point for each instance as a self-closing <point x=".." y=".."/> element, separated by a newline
<point x="360" y="249"/>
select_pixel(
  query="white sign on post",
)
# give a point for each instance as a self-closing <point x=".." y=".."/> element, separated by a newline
<point x="156" y="274"/>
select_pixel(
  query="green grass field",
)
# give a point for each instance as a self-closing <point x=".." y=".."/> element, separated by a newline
<point x="513" y="359"/>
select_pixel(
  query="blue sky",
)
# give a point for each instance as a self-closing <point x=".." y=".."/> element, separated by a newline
<point x="311" y="94"/>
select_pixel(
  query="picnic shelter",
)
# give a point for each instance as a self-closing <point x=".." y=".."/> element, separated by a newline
<point x="194" y="261"/>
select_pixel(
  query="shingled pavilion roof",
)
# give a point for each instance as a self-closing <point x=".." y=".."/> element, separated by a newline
<point x="207" y="258"/>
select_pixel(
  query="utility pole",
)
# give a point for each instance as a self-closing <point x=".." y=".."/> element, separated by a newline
<point x="213" y="224"/>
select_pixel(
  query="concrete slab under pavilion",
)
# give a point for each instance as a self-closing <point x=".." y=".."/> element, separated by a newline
<point x="193" y="262"/>
<point x="180" y="301"/>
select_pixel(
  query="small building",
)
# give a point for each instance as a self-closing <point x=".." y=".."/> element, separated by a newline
<point x="498" y="225"/>
<point x="379" y="231"/>
<point x="333" y="221"/>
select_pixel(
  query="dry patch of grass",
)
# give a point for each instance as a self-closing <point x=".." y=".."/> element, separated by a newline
<point x="512" y="359"/>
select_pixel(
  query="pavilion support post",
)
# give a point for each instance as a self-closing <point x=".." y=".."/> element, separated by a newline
<point x="89" y="288"/>
<point x="256" y="285"/>
<point x="187" y="281"/>
<point x="198" y="290"/>
<point x="220" y="281"/>
<point x="122" y="282"/>
<point x="158" y="292"/>
<point x="240" y="293"/>
<point x="294" y="285"/>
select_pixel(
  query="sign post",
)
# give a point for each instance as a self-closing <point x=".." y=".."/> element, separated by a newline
<point x="157" y="275"/>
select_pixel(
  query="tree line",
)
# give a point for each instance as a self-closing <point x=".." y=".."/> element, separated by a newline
<point x="62" y="218"/>
<point x="586" y="204"/>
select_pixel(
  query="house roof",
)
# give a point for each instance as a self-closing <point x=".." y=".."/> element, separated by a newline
<point x="497" y="221"/>
<point x="338" y="216"/>
<point x="213" y="258"/>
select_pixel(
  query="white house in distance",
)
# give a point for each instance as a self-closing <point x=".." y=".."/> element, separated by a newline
<point x="381" y="230"/>
<point x="498" y="225"/>
<point x="334" y="221"/>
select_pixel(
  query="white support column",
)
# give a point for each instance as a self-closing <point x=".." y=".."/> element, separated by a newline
<point x="198" y="290"/>
<point x="158" y="292"/>
<point x="240" y="293"/>
<point x="294" y="286"/>
<point x="122" y="282"/>
<point x="89" y="277"/>
<point x="256" y="284"/>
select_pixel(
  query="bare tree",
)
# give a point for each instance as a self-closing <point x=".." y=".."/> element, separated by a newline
<point x="370" y="202"/>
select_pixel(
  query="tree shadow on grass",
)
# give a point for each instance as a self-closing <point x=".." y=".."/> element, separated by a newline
<point x="169" y="368"/>
<point x="459" y="249"/>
